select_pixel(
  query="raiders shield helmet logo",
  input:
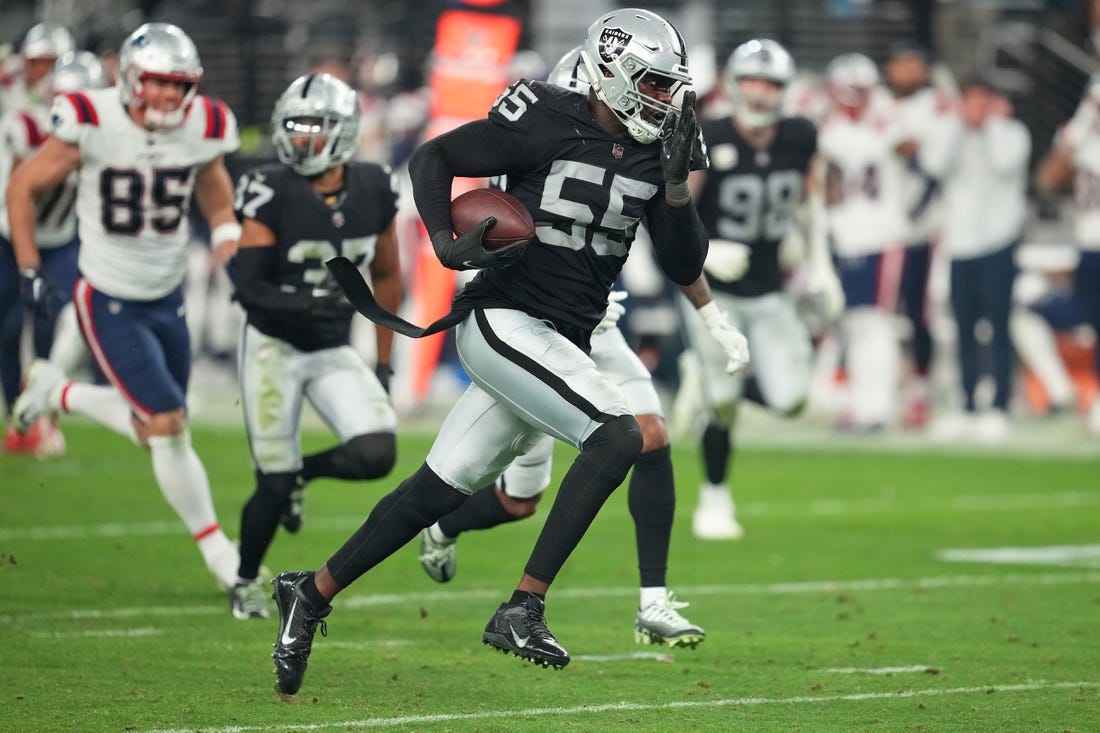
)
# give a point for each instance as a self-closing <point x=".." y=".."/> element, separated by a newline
<point x="612" y="43"/>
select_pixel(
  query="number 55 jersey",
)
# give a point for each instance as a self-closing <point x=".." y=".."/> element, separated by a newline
<point x="135" y="188"/>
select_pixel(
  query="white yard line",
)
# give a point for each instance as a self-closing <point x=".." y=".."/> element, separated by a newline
<point x="840" y="507"/>
<point x="1060" y="555"/>
<point x="880" y="670"/>
<point x="89" y="633"/>
<point x="655" y="656"/>
<point x="482" y="594"/>
<point x="614" y="707"/>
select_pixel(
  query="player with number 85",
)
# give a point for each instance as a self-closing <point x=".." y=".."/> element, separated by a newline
<point x="142" y="151"/>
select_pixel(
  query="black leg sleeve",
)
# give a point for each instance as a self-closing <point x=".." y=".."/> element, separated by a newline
<point x="603" y="463"/>
<point x="417" y="503"/>
<point x="652" y="501"/>
<point x="481" y="511"/>
<point x="260" y="519"/>
<point x="363" y="457"/>
<point x="717" y="449"/>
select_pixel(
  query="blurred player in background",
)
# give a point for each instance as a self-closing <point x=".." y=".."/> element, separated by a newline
<point x="140" y="162"/>
<point x="297" y="215"/>
<point x="21" y="132"/>
<point x="588" y="169"/>
<point x="749" y="199"/>
<point x="42" y="45"/>
<point x="1074" y="164"/>
<point x="919" y="107"/>
<point x="982" y="157"/>
<point x="859" y="142"/>
<point x="652" y="488"/>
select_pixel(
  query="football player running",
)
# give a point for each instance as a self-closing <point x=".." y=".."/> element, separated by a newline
<point x="23" y="128"/>
<point x="314" y="205"/>
<point x="758" y="183"/>
<point x="588" y="169"/>
<point x="652" y="488"/>
<point x="139" y="163"/>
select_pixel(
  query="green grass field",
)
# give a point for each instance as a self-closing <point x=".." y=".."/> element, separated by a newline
<point x="837" y="612"/>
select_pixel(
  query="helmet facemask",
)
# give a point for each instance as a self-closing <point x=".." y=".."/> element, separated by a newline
<point x="315" y="124"/>
<point x="758" y="105"/>
<point x="161" y="52"/>
<point x="635" y="60"/>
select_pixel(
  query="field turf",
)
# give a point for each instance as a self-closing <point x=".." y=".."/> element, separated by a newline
<point x="848" y="606"/>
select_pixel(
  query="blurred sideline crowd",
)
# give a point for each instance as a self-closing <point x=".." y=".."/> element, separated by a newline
<point x="984" y="307"/>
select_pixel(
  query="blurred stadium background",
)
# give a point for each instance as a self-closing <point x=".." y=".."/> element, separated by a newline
<point x="423" y="65"/>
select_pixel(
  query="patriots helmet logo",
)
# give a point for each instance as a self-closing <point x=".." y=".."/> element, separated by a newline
<point x="612" y="43"/>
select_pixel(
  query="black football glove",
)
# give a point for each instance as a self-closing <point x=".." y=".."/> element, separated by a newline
<point x="384" y="372"/>
<point x="676" y="150"/>
<point x="38" y="293"/>
<point x="467" y="253"/>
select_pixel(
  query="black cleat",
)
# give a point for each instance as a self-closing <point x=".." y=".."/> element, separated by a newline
<point x="520" y="628"/>
<point x="291" y="517"/>
<point x="298" y="620"/>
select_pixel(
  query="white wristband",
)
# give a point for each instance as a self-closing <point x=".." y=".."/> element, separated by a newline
<point x="227" y="232"/>
<point x="711" y="316"/>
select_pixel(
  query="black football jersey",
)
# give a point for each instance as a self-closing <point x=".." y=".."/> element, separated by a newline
<point x="586" y="192"/>
<point x="310" y="231"/>
<point x="752" y="195"/>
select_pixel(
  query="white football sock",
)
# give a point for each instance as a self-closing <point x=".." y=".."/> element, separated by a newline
<point x="653" y="595"/>
<point x="103" y="404"/>
<point x="68" y="352"/>
<point x="184" y="484"/>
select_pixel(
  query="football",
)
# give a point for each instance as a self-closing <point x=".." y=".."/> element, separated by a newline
<point x="514" y="222"/>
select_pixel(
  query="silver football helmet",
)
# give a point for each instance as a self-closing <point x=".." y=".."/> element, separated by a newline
<point x="569" y="73"/>
<point x="46" y="41"/>
<point x="760" y="58"/>
<point x="851" y="78"/>
<point x="316" y="124"/>
<point x="78" y="70"/>
<point x="622" y="48"/>
<point x="158" y="51"/>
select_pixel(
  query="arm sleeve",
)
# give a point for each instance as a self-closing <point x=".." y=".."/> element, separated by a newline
<point x="476" y="149"/>
<point x="255" y="283"/>
<point x="679" y="239"/>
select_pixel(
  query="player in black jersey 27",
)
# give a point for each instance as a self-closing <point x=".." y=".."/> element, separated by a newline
<point x="749" y="198"/>
<point x="313" y="205"/>
<point x="588" y="169"/>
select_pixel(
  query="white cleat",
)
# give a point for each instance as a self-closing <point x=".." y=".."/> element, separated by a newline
<point x="51" y="442"/>
<point x="714" y="517"/>
<point x="661" y="623"/>
<point x="40" y="395"/>
<point x="437" y="557"/>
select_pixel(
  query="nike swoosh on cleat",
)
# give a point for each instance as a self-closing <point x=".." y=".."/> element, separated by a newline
<point x="521" y="642"/>
<point x="286" y="639"/>
<point x="469" y="264"/>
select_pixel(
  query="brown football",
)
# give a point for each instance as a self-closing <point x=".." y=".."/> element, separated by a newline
<point x="514" y="222"/>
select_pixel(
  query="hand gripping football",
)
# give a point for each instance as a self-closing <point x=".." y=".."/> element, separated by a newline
<point x="514" y="222"/>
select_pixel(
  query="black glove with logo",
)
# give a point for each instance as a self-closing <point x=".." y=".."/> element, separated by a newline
<point x="467" y="253"/>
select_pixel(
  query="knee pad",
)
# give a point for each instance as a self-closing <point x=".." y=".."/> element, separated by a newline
<point x="373" y="454"/>
<point x="620" y="437"/>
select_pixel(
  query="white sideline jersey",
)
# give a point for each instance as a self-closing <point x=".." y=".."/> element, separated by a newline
<point x="1082" y="135"/>
<point x="918" y="117"/>
<point x="136" y="186"/>
<point x="864" y="180"/>
<point x="21" y="132"/>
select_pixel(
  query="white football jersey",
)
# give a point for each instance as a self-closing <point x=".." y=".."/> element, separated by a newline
<point x="22" y="131"/>
<point x="136" y="188"/>
<point x="1082" y="135"/>
<point x="917" y="118"/>
<point x="863" y="181"/>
